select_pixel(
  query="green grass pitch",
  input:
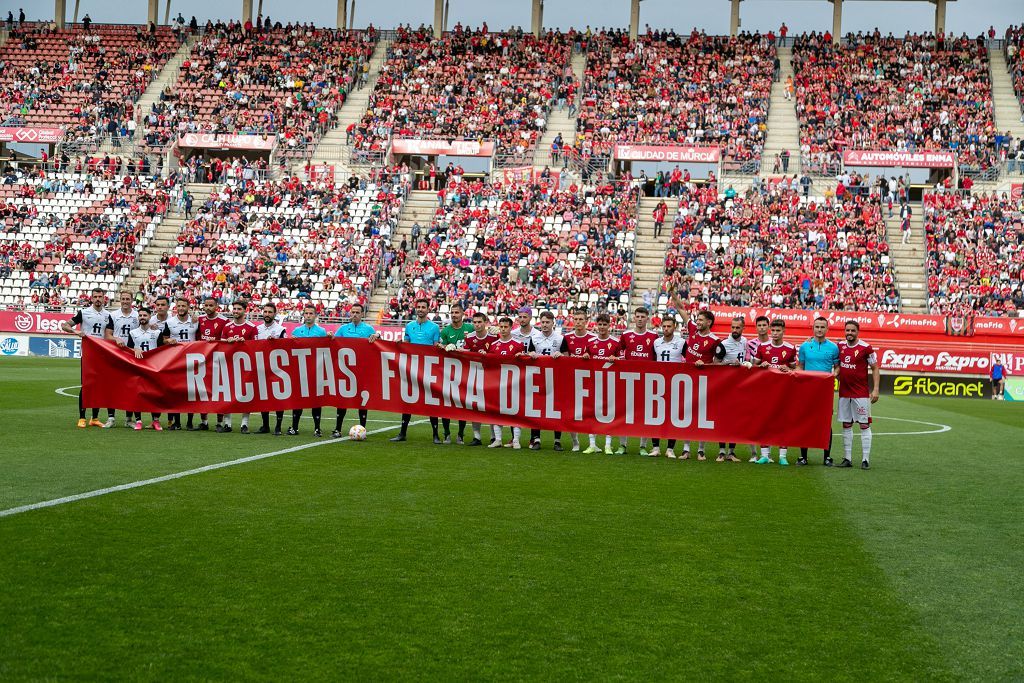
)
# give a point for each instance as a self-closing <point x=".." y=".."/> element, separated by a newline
<point x="356" y="561"/>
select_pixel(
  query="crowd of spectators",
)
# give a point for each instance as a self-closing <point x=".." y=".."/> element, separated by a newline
<point x="288" y="242"/>
<point x="469" y="85"/>
<point x="496" y="247"/>
<point x="289" y="81"/>
<point x="85" y="80"/>
<point x="879" y="92"/>
<point x="776" y="247"/>
<point x="64" y="232"/>
<point x="669" y="89"/>
<point x="975" y="253"/>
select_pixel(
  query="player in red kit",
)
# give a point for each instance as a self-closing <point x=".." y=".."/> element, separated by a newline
<point x="779" y="355"/>
<point x="577" y="344"/>
<point x="701" y="348"/>
<point x="856" y="361"/>
<point x="237" y="329"/>
<point x="603" y="346"/>
<point x="478" y="341"/>
<point x="208" y="328"/>
<point x="505" y="347"/>
<point x="637" y="344"/>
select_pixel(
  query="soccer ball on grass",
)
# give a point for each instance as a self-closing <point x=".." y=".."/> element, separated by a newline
<point x="357" y="433"/>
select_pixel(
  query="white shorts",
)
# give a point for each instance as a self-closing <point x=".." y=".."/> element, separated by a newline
<point x="855" y="410"/>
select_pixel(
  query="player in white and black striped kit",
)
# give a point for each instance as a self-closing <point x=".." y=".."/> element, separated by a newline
<point x="181" y="328"/>
<point x="123" y="320"/>
<point x="668" y="348"/>
<point x="735" y="353"/>
<point x="93" y="321"/>
<point x="142" y="339"/>
<point x="546" y="342"/>
<point x="270" y="328"/>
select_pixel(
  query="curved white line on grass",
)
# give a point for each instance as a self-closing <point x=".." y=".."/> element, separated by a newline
<point x="941" y="427"/>
<point x="178" y="475"/>
<point x="63" y="391"/>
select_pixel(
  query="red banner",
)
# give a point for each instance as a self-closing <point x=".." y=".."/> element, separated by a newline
<point x="624" y="398"/>
<point x="31" y="135"/>
<point x="455" y="148"/>
<point x="669" y="153"/>
<point x="214" y="141"/>
<point x="864" y="157"/>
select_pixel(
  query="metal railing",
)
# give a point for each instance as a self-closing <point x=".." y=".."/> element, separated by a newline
<point x="983" y="175"/>
<point x="817" y="169"/>
<point x="736" y="167"/>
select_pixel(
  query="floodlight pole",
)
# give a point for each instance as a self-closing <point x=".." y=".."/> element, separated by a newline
<point x="342" y="14"/>
<point x="60" y="10"/>
<point x="246" y="11"/>
<point x="634" y="19"/>
<point x="154" y="12"/>
<point x="940" y="17"/>
<point x="438" y="18"/>
<point x="537" y="18"/>
<point x="734" y="18"/>
<point x="837" y="21"/>
<point x="74" y="16"/>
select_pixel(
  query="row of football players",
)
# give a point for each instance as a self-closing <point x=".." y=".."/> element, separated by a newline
<point x="142" y="330"/>
<point x="852" y="361"/>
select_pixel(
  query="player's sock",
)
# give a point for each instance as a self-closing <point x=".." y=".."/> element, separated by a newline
<point x="516" y="433"/>
<point x="341" y="418"/>
<point x="296" y="414"/>
<point x="782" y="453"/>
<point x="279" y="418"/>
<point x="316" y="418"/>
<point x="476" y="431"/>
<point x="865" y="443"/>
<point x="847" y="443"/>
<point x="362" y="417"/>
<point x="766" y="451"/>
<point x="593" y="440"/>
<point x="95" y="413"/>
<point x="462" y="429"/>
<point x="608" y="443"/>
<point x="245" y="420"/>
<point x="433" y="426"/>
<point x="446" y="426"/>
<point x="643" y="442"/>
<point x="496" y="434"/>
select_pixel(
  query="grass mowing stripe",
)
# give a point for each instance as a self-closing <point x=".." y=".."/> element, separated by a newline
<point x="443" y="563"/>
<point x="178" y="475"/>
<point x="942" y="517"/>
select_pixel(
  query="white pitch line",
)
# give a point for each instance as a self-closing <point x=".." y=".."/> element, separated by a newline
<point x="178" y="475"/>
<point x="941" y="427"/>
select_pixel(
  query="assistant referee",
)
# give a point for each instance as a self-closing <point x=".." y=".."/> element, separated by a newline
<point x="818" y="354"/>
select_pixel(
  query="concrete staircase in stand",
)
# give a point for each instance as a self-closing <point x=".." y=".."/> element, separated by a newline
<point x="559" y="122"/>
<point x="332" y="149"/>
<point x="166" y="237"/>
<point x="167" y="76"/>
<point x="1006" y="105"/>
<point x="419" y="206"/>
<point x="649" y="265"/>
<point x="908" y="262"/>
<point x="783" y="127"/>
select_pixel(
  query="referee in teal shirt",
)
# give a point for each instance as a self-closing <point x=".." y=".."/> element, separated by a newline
<point x="308" y="330"/>
<point x="818" y="354"/>
<point x="354" y="329"/>
<point x="427" y="333"/>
